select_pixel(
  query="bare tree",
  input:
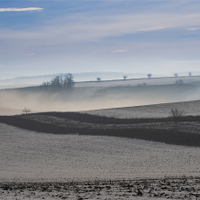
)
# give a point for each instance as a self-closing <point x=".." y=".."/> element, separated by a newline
<point x="45" y="84"/>
<point x="56" y="81"/>
<point x="179" y="82"/>
<point x="176" y="114"/>
<point x="149" y="75"/>
<point x="98" y="79"/>
<point x="26" y="110"/>
<point x="125" y="77"/>
<point x="68" y="81"/>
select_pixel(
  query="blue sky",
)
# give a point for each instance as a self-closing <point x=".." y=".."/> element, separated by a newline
<point x="40" y="37"/>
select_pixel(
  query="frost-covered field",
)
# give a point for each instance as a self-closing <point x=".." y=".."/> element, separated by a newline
<point x="27" y="155"/>
<point x="150" y="111"/>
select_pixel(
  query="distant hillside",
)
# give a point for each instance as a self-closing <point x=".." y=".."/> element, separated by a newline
<point x="87" y="76"/>
<point x="40" y="99"/>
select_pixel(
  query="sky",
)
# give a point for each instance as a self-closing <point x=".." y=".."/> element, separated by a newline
<point x="40" y="37"/>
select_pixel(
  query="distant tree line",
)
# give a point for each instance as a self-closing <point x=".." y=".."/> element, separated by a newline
<point x="62" y="81"/>
<point x="179" y="82"/>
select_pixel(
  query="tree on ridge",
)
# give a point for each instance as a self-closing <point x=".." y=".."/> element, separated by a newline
<point x="149" y="75"/>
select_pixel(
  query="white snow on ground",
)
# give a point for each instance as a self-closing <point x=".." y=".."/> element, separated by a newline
<point x="27" y="155"/>
<point x="149" y="111"/>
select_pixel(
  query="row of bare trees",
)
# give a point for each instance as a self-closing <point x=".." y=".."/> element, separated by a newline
<point x="148" y="75"/>
<point x="176" y="74"/>
<point x="64" y="81"/>
<point x="124" y="77"/>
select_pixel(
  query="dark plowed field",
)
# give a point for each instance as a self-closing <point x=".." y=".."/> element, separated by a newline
<point x="166" y="136"/>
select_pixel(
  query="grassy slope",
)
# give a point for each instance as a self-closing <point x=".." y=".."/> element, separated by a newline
<point x="166" y="136"/>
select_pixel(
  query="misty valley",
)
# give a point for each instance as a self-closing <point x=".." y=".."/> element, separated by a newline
<point x="90" y="95"/>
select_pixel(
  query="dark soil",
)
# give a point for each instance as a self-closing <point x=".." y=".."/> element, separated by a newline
<point x="165" y="188"/>
<point x="84" y="117"/>
<point x="166" y="136"/>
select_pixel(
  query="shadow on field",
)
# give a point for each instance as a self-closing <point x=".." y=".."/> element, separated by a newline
<point x="165" y="136"/>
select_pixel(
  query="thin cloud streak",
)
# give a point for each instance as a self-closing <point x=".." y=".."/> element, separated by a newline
<point x="186" y="61"/>
<point x="120" y="51"/>
<point x="20" y="9"/>
<point x="84" y="28"/>
<point x="193" y="29"/>
<point x="152" y="29"/>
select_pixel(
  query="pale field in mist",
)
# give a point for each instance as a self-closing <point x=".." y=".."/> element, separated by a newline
<point x="127" y="107"/>
<point x="150" y="111"/>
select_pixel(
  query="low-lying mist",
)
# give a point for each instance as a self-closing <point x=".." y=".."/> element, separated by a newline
<point x="40" y="99"/>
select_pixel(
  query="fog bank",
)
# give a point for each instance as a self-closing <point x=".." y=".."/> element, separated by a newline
<point x="40" y="99"/>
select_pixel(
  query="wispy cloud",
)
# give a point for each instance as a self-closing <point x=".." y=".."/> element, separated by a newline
<point x="86" y="28"/>
<point x="20" y="9"/>
<point x="83" y="27"/>
<point x="193" y="29"/>
<point x="31" y="54"/>
<point x="120" y="51"/>
<point x="186" y="61"/>
<point x="152" y="29"/>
